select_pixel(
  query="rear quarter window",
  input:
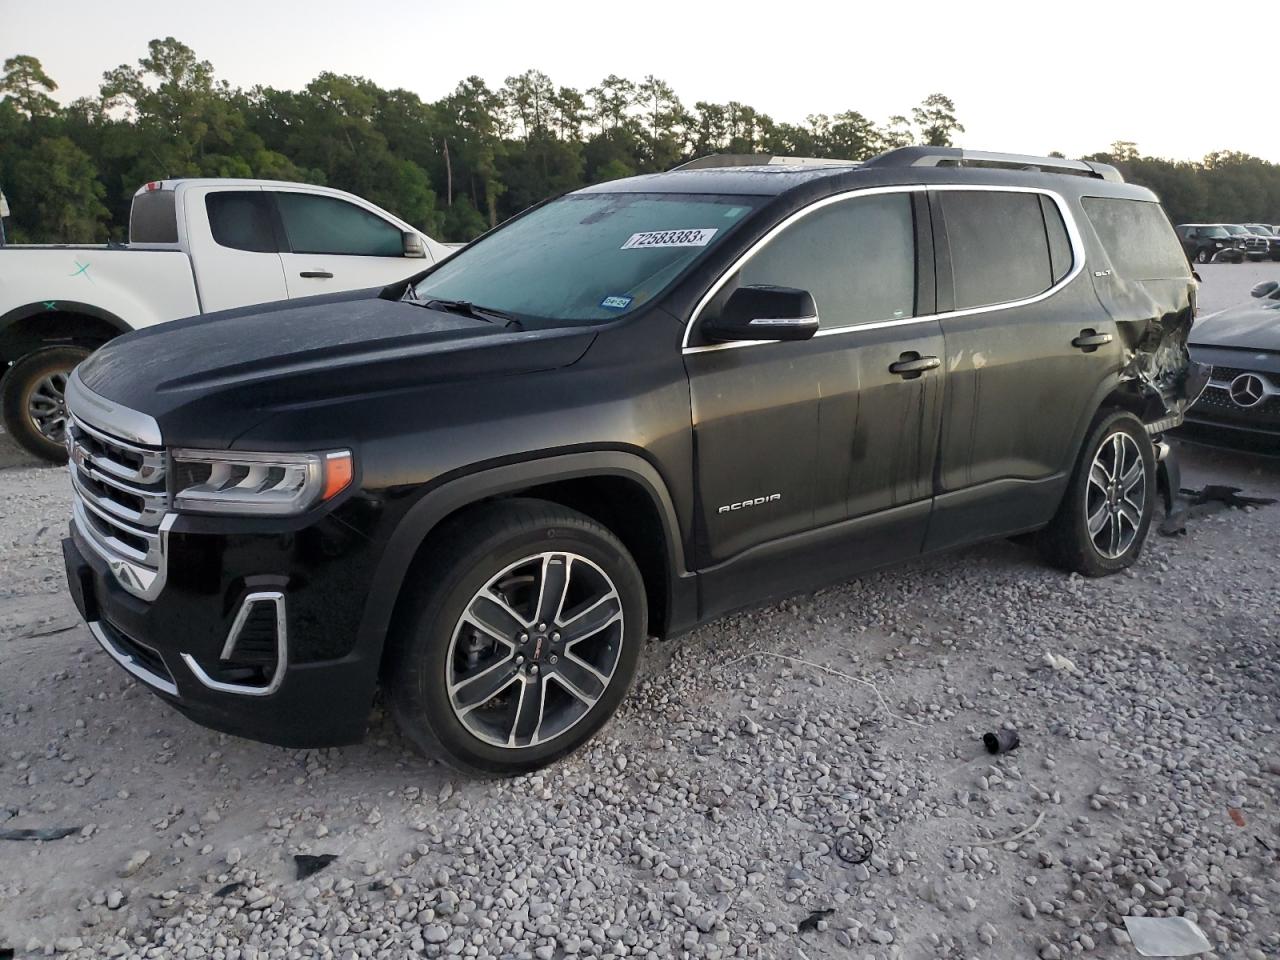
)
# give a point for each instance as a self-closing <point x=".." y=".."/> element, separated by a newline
<point x="1138" y="238"/>
<point x="241" y="220"/>
<point x="152" y="218"/>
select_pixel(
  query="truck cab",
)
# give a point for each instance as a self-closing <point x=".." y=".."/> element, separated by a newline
<point x="195" y="246"/>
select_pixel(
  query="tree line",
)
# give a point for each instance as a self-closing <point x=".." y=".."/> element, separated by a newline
<point x="455" y="166"/>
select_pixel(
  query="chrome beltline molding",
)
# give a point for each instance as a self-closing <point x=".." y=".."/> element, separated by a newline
<point x="1073" y="236"/>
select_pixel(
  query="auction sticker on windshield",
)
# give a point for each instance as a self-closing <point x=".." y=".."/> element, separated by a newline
<point x="671" y="238"/>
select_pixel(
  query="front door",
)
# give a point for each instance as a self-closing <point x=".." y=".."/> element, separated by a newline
<point x="815" y="459"/>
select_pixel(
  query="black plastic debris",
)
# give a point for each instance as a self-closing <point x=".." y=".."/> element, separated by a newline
<point x="1211" y="499"/>
<point x="42" y="833"/>
<point x="308" y="865"/>
<point x="229" y="889"/>
<point x="1002" y="741"/>
<point x="811" y="921"/>
<point x="854" y="846"/>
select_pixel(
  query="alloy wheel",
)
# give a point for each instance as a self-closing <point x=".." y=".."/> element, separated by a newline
<point x="47" y="406"/>
<point x="534" y="650"/>
<point x="1116" y="495"/>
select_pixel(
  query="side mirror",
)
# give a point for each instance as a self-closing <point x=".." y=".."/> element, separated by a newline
<point x="1267" y="288"/>
<point x="765" y="313"/>
<point x="413" y="245"/>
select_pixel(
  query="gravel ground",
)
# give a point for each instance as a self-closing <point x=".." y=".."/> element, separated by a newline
<point x="723" y="813"/>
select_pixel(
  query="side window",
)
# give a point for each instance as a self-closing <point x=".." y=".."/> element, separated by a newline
<point x="1137" y="237"/>
<point x="857" y="257"/>
<point x="241" y="220"/>
<point x="999" y="246"/>
<point x="320" y="224"/>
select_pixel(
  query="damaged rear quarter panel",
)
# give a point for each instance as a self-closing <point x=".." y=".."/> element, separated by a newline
<point x="1153" y="319"/>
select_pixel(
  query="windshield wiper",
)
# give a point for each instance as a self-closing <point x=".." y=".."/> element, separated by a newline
<point x="469" y="309"/>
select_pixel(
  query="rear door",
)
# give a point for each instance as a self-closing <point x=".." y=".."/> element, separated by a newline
<point x="1027" y="350"/>
<point x="234" y="249"/>
<point x="814" y="459"/>
<point x="334" y="244"/>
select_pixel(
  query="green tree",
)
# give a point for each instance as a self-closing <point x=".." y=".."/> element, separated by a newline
<point x="936" y="118"/>
<point x="55" y="194"/>
<point x="27" y="86"/>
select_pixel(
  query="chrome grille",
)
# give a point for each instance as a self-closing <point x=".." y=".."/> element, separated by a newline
<point x="121" y="487"/>
<point x="121" y="500"/>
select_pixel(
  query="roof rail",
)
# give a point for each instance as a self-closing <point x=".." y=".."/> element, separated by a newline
<point x="954" y="156"/>
<point x="760" y="160"/>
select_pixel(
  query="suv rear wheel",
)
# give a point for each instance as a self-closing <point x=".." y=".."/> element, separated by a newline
<point x="34" y="401"/>
<point x="521" y="638"/>
<point x="1103" y="520"/>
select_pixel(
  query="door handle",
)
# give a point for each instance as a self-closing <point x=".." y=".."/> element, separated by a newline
<point x="321" y="274"/>
<point x="1090" y="340"/>
<point x="910" y="365"/>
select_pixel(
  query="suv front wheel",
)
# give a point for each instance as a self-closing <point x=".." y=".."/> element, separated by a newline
<point x="520" y="640"/>
<point x="1102" y="522"/>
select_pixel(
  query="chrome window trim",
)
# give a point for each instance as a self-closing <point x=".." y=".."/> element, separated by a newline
<point x="1068" y="220"/>
<point x="233" y="635"/>
<point x="129" y="663"/>
<point x="121" y="422"/>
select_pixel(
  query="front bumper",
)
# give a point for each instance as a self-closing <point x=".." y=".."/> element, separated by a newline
<point x="323" y="686"/>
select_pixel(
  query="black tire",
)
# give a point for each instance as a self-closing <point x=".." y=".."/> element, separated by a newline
<point x="1067" y="542"/>
<point x="467" y="556"/>
<point x="39" y="371"/>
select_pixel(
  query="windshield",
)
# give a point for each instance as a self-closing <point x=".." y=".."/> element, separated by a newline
<point x="1235" y="229"/>
<point x="1261" y="228"/>
<point x="587" y="257"/>
<point x="1213" y="232"/>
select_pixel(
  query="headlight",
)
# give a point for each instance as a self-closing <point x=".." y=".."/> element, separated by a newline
<point x="258" y="484"/>
<point x="1217" y="244"/>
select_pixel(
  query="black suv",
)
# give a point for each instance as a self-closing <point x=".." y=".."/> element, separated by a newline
<point x="623" y="413"/>
<point x="1210" y="243"/>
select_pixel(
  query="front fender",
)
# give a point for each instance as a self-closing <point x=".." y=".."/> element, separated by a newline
<point x="427" y="514"/>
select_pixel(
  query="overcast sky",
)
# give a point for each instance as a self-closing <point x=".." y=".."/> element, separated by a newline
<point x="1180" y="79"/>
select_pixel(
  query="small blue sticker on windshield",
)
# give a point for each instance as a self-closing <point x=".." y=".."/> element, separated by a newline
<point x="616" y="303"/>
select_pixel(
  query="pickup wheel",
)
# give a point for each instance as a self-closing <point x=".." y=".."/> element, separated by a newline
<point x="1103" y="520"/>
<point x="34" y="401"/>
<point x="520" y="638"/>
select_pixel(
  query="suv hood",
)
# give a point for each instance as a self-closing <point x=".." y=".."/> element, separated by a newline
<point x="209" y="378"/>
<point x="1254" y="325"/>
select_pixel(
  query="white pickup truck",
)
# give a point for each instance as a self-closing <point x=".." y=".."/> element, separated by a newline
<point x="195" y="246"/>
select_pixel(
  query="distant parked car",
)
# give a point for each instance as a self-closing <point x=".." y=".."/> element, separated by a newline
<point x="1271" y="233"/>
<point x="1209" y="243"/>
<point x="1256" y="247"/>
<point x="1241" y="404"/>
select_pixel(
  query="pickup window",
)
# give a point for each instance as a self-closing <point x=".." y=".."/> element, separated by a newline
<point x="153" y="217"/>
<point x="319" y="224"/>
<point x="241" y="220"/>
